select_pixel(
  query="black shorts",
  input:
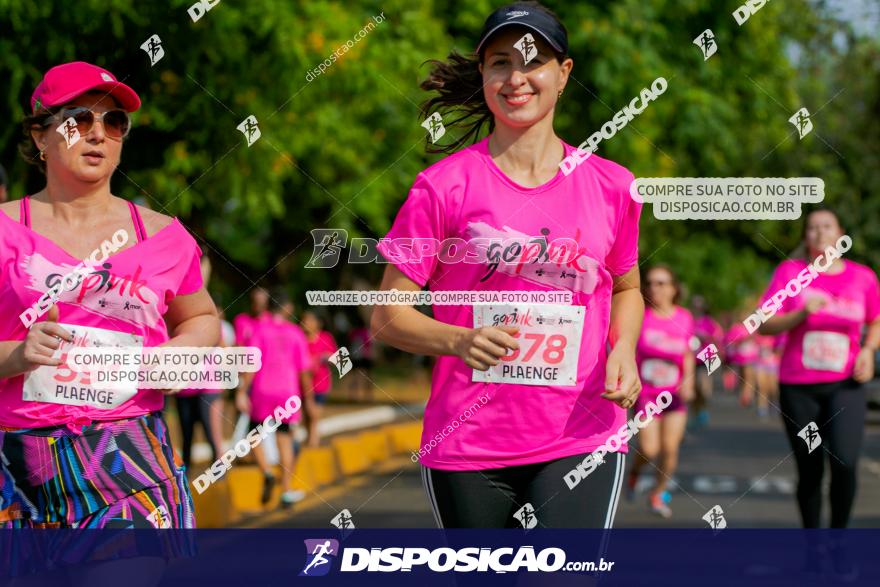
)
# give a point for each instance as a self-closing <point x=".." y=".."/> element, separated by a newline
<point x="281" y="427"/>
<point x="495" y="498"/>
<point x="365" y="364"/>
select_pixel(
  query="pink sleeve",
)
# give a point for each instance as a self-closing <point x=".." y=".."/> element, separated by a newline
<point x="422" y="216"/>
<point x="781" y="276"/>
<point x="192" y="279"/>
<point x="239" y="324"/>
<point x="329" y="342"/>
<point x="624" y="253"/>
<point x="301" y="357"/>
<point x="872" y="297"/>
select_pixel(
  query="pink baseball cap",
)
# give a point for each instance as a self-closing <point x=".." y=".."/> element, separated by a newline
<point x="65" y="82"/>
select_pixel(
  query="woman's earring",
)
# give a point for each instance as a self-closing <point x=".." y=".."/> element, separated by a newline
<point x="42" y="155"/>
<point x="559" y="95"/>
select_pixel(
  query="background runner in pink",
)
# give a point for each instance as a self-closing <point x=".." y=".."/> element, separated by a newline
<point x="740" y="345"/>
<point x="666" y="365"/>
<point x="661" y="353"/>
<point x="852" y="299"/>
<point x="321" y="347"/>
<point x="708" y="331"/>
<point x="285" y="356"/>
<point x="284" y="377"/>
<point x="244" y="323"/>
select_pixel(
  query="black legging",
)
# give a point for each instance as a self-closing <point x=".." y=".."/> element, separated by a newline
<point x="838" y="409"/>
<point x="190" y="410"/>
<point x="489" y="498"/>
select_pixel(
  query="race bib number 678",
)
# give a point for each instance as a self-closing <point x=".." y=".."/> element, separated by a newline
<point x="549" y="343"/>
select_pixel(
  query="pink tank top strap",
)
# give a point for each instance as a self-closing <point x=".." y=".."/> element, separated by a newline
<point x="24" y="212"/>
<point x="138" y="223"/>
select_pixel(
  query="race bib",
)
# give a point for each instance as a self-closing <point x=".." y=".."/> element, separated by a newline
<point x="549" y="343"/>
<point x="659" y="373"/>
<point x="825" y="351"/>
<point x="63" y="385"/>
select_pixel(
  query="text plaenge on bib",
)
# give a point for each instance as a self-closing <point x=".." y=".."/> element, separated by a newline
<point x="574" y="234"/>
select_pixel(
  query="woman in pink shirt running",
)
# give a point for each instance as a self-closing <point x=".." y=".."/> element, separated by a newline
<point x="825" y="361"/>
<point x="54" y="421"/>
<point x="522" y="391"/>
<point x="742" y="355"/>
<point x="666" y="364"/>
<point x="321" y="347"/>
<point x="285" y="379"/>
<point x="708" y="332"/>
<point x="766" y="369"/>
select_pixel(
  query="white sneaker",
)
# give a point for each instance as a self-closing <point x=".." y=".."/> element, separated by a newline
<point x="288" y="498"/>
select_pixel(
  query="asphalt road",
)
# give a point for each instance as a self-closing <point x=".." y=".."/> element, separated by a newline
<point x="739" y="462"/>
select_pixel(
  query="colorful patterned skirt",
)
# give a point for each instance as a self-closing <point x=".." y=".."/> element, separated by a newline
<point x="111" y="476"/>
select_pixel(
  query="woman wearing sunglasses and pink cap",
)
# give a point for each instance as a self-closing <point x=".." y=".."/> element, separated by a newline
<point x="74" y="455"/>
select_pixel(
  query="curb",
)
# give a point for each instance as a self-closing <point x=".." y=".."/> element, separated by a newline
<point x="347" y="455"/>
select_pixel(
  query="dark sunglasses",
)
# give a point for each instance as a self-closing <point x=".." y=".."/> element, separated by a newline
<point x="116" y="122"/>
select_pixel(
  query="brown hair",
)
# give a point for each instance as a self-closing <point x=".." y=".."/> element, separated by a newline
<point x="460" y="84"/>
<point x="27" y="148"/>
<point x="675" y="282"/>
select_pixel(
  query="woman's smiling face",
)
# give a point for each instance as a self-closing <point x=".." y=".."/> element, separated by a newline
<point x="519" y="94"/>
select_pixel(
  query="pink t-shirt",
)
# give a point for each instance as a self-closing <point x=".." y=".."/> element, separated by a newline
<point x="740" y="346"/>
<point x="285" y="355"/>
<point x="320" y="349"/>
<point x="708" y="331"/>
<point x="466" y="196"/>
<point x="662" y="348"/>
<point x="361" y="343"/>
<point x="128" y="294"/>
<point x="243" y="324"/>
<point x="767" y="355"/>
<point x="823" y="348"/>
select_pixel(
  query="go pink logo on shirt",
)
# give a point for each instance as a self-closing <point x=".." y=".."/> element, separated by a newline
<point x="127" y="298"/>
<point x="561" y="262"/>
<point x="839" y="306"/>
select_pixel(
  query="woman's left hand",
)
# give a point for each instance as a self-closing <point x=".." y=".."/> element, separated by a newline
<point x="863" y="370"/>
<point x="622" y="383"/>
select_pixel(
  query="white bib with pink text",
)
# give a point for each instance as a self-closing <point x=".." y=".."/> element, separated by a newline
<point x="549" y="340"/>
<point x="825" y="351"/>
<point x="64" y="385"/>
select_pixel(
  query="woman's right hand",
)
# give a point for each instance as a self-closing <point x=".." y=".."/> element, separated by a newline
<point x="481" y="348"/>
<point x="41" y="342"/>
